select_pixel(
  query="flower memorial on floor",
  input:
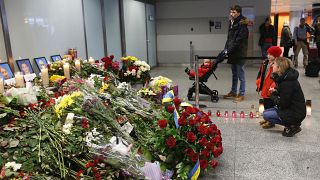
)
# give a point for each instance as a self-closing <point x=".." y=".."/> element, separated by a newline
<point x="94" y="125"/>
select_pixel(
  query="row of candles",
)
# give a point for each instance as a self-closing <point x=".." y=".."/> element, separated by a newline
<point x="19" y="77"/>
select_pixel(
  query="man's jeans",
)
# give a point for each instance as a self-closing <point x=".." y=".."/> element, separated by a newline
<point x="264" y="49"/>
<point x="272" y="116"/>
<point x="238" y="74"/>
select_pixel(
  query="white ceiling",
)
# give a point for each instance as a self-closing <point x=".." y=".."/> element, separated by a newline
<point x="291" y="5"/>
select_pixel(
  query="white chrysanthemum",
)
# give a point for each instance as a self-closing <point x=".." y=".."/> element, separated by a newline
<point x="15" y="166"/>
<point x="66" y="128"/>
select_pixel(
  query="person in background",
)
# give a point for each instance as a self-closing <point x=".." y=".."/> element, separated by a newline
<point x="290" y="109"/>
<point x="300" y="40"/>
<point x="264" y="81"/>
<point x="25" y="68"/>
<point x="317" y="34"/>
<point x="268" y="36"/>
<point x="236" y="48"/>
<point x="286" y="39"/>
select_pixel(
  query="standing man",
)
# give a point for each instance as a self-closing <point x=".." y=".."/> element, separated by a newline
<point x="236" y="49"/>
<point x="268" y="37"/>
<point x="300" y="38"/>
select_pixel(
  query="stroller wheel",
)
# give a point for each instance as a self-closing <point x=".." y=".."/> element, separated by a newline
<point x="214" y="98"/>
<point x="215" y="92"/>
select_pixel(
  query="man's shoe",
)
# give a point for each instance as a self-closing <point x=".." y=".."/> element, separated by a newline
<point x="267" y="125"/>
<point x="291" y="131"/>
<point x="230" y="95"/>
<point x="262" y="122"/>
<point x="239" y="98"/>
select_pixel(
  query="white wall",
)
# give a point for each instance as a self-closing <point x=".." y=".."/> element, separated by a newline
<point x="175" y="19"/>
<point x="93" y="22"/>
<point x="135" y="29"/>
<point x="44" y="28"/>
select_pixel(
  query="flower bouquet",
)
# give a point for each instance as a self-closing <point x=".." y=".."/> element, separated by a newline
<point x="134" y="70"/>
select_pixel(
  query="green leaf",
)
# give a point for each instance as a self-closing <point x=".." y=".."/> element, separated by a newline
<point x="14" y="143"/>
<point x="3" y="115"/>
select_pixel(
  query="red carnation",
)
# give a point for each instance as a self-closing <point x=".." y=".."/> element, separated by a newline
<point x="171" y="142"/>
<point x="85" y="123"/>
<point x="205" y="153"/>
<point x="182" y="121"/>
<point x="191" y="137"/>
<point x="189" y="152"/>
<point x="170" y="109"/>
<point x="194" y="157"/>
<point x="79" y="173"/>
<point x="176" y="102"/>
<point x="203" y="163"/>
<point x="162" y="123"/>
<point x="203" y="141"/>
<point x="214" y="163"/>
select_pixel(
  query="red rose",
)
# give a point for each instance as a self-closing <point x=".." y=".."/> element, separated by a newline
<point x="194" y="157"/>
<point x="171" y="142"/>
<point x="133" y="67"/>
<point x="204" y="119"/>
<point x="202" y="129"/>
<point x="182" y="121"/>
<point x="216" y="153"/>
<point x="56" y="95"/>
<point x="194" y="110"/>
<point x="218" y="132"/>
<point x="189" y="152"/>
<point x="189" y="109"/>
<point x="209" y="145"/>
<point x="191" y="137"/>
<point x="115" y="65"/>
<point x="79" y="173"/>
<point x="220" y="150"/>
<point x="211" y="131"/>
<point x="203" y="141"/>
<point x="170" y="109"/>
<point x="205" y="153"/>
<point x="203" y="163"/>
<point x="213" y="126"/>
<point x="214" y="163"/>
<point x="162" y="123"/>
<point x="218" y="139"/>
<point x="176" y="102"/>
<point x="111" y="56"/>
<point x="85" y="123"/>
<point x="192" y="122"/>
<point x="185" y="114"/>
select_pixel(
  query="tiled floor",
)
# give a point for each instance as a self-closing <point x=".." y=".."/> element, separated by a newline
<point x="251" y="152"/>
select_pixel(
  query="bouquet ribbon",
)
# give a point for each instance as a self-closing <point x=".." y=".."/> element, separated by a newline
<point x="168" y="97"/>
<point x="195" y="171"/>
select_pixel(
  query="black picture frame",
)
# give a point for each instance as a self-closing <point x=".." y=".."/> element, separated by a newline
<point x="41" y="61"/>
<point x="4" y="67"/>
<point x="25" y="69"/>
<point x="55" y="58"/>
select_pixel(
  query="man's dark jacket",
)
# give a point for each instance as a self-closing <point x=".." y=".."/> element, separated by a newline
<point x="237" y="42"/>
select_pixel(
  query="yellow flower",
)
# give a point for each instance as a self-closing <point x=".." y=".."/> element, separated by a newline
<point x="104" y="88"/>
<point x="66" y="101"/>
<point x="55" y="78"/>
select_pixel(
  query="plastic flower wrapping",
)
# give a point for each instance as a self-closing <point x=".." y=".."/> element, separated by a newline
<point x="134" y="70"/>
<point x="96" y="126"/>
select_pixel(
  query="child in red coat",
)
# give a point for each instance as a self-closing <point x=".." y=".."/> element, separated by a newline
<point x="202" y="70"/>
<point x="264" y="81"/>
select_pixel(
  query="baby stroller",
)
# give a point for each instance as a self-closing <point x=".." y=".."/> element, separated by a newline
<point x="204" y="76"/>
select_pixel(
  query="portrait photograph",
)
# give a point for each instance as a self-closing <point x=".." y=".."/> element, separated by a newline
<point x="24" y="66"/>
<point x="5" y="71"/>
<point x="41" y="62"/>
<point x="55" y="58"/>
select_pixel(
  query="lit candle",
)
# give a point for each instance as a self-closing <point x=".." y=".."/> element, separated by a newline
<point x="257" y="114"/>
<point x="218" y="113"/>
<point x="44" y="76"/>
<point x="308" y="106"/>
<point x="261" y="106"/>
<point x="226" y="114"/>
<point x="251" y="115"/>
<point x="19" y="79"/>
<point x="77" y="64"/>
<point x="66" y="70"/>
<point x="241" y="114"/>
<point x="234" y="114"/>
<point x="1" y="85"/>
<point x="91" y="60"/>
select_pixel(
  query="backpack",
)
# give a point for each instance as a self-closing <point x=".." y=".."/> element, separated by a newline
<point x="312" y="69"/>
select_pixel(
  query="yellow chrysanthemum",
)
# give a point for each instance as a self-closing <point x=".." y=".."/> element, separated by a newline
<point x="104" y="88"/>
<point x="66" y="101"/>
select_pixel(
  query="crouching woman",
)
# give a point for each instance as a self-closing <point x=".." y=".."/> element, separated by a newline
<point x="290" y="109"/>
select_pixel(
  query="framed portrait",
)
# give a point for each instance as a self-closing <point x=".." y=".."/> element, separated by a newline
<point x="40" y="62"/>
<point x="5" y="71"/>
<point x="55" y="58"/>
<point x="24" y="66"/>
